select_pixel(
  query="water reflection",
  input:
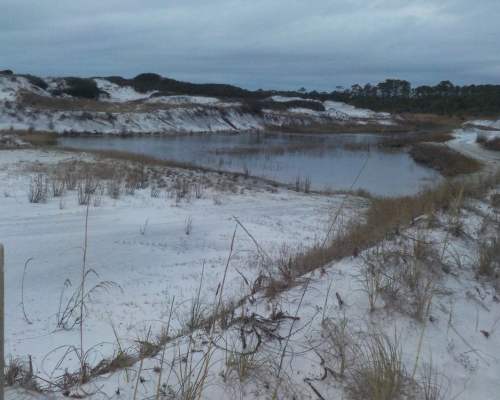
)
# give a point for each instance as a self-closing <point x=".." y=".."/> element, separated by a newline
<point x="329" y="161"/>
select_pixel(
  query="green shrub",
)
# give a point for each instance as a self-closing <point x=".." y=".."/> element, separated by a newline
<point x="82" y="87"/>
<point x="36" y="81"/>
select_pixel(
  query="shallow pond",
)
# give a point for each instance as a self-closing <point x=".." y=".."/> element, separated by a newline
<point x="327" y="162"/>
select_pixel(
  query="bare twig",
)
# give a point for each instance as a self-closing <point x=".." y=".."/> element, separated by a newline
<point x="82" y="300"/>
<point x="22" y="290"/>
<point x="282" y="357"/>
<point x="259" y="247"/>
<point x="162" y="358"/>
<point x="141" y="364"/>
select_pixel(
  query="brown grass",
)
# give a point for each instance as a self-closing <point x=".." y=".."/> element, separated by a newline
<point x="38" y="138"/>
<point x="385" y="218"/>
<point x="34" y="138"/>
<point x="443" y="159"/>
<point x="430" y="121"/>
<point x="403" y="140"/>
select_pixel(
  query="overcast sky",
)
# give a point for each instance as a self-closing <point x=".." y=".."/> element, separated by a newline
<point x="318" y="44"/>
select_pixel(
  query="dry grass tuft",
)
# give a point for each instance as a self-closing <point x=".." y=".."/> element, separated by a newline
<point x="14" y="371"/>
<point x="432" y="384"/>
<point x="243" y="365"/>
<point x="21" y="374"/>
<point x="379" y="373"/>
<point x="488" y="263"/>
<point x="119" y="361"/>
<point x="372" y="275"/>
<point x="147" y="348"/>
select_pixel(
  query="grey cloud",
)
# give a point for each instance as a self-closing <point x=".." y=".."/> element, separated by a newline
<point x="260" y="43"/>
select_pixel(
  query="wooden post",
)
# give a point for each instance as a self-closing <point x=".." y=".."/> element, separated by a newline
<point x="2" y="314"/>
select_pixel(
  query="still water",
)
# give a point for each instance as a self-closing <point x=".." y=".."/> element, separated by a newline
<point x="329" y="162"/>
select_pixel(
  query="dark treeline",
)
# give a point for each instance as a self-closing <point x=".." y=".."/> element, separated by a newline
<point x="394" y="95"/>
<point x="165" y="86"/>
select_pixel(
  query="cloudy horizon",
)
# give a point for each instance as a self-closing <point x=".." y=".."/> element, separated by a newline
<point x="259" y="44"/>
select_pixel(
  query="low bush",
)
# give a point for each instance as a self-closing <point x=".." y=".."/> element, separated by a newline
<point x="58" y="187"/>
<point x="36" y="81"/>
<point x="39" y="189"/>
<point x="114" y="188"/>
<point x="445" y="160"/>
<point x="489" y="143"/>
<point x="81" y="87"/>
<point x="86" y="189"/>
<point x="256" y="106"/>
